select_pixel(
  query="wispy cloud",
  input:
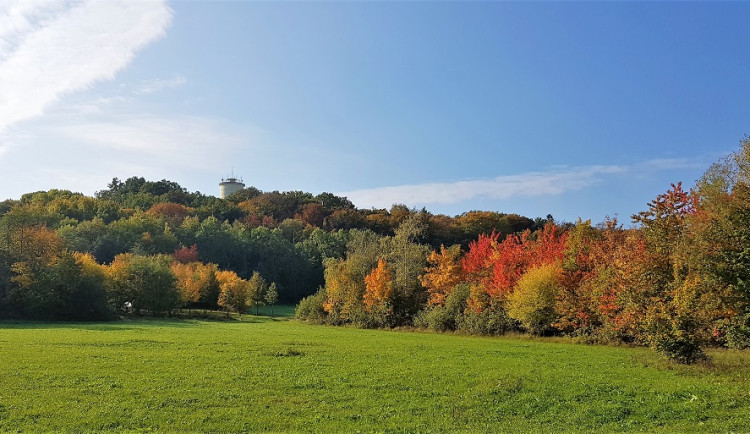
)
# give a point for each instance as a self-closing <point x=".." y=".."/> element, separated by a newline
<point x="152" y="86"/>
<point x="555" y="181"/>
<point x="49" y="49"/>
<point x="672" y="163"/>
<point x="189" y="140"/>
<point x="121" y="140"/>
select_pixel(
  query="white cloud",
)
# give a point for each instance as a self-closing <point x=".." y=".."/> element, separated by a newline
<point x="554" y="182"/>
<point x="190" y="140"/>
<point x="672" y="163"/>
<point x="121" y="140"/>
<point x="50" y="49"/>
<point x="152" y="86"/>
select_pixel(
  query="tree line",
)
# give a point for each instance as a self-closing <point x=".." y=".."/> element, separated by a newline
<point x="158" y="247"/>
<point x="677" y="281"/>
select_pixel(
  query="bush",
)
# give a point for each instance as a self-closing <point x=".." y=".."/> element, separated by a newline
<point x="493" y="320"/>
<point x="311" y="308"/>
<point x="738" y="332"/>
<point x="379" y="317"/>
<point x="675" y="336"/>
<point x="446" y="317"/>
<point x="680" y="348"/>
<point x="533" y="300"/>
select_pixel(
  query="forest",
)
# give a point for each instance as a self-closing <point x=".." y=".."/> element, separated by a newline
<point x="675" y="279"/>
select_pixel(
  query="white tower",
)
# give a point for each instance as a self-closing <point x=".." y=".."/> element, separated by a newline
<point x="230" y="185"/>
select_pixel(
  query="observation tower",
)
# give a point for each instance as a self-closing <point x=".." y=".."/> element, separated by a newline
<point x="230" y="185"/>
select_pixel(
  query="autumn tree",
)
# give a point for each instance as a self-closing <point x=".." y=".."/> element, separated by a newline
<point x="235" y="291"/>
<point x="533" y="300"/>
<point x="35" y="245"/>
<point x="343" y="290"/>
<point x="477" y="262"/>
<point x="576" y="304"/>
<point x="345" y="277"/>
<point x="313" y="214"/>
<point x="172" y="213"/>
<point x="186" y="255"/>
<point x="494" y="267"/>
<point x="378" y="288"/>
<point x="716" y="258"/>
<point x="189" y="281"/>
<point x="672" y="325"/>
<point x="442" y="274"/>
<point x="60" y="290"/>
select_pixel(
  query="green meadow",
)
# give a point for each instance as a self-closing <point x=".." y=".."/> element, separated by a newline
<point x="276" y="374"/>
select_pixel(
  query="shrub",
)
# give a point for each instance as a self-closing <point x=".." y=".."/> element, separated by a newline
<point x="738" y="333"/>
<point x="676" y="338"/>
<point x="311" y="308"/>
<point x="378" y="317"/>
<point x="680" y="348"/>
<point x="533" y="300"/>
<point x="446" y="317"/>
<point x="492" y="320"/>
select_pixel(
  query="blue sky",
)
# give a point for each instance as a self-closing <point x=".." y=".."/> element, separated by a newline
<point x="572" y="109"/>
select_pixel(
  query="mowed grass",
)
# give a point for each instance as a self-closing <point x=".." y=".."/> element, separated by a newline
<point x="273" y="374"/>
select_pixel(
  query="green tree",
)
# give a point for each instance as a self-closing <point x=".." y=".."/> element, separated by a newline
<point x="146" y="282"/>
<point x="257" y="290"/>
<point x="272" y="296"/>
<point x="59" y="290"/>
<point x="407" y="259"/>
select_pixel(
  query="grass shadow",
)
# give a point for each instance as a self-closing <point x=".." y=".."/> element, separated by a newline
<point x="182" y="318"/>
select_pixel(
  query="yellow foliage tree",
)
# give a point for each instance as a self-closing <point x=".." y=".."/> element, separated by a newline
<point x="533" y="300"/>
<point x="119" y="287"/>
<point x="89" y="266"/>
<point x="235" y="291"/>
<point x="344" y="290"/>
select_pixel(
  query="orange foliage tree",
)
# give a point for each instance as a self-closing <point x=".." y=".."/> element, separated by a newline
<point x="189" y="281"/>
<point x="378" y="287"/>
<point x="37" y="244"/>
<point x="173" y="213"/>
<point x="443" y="274"/>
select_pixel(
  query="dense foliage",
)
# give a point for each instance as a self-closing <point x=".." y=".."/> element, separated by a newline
<point x="677" y="281"/>
<point x="153" y="247"/>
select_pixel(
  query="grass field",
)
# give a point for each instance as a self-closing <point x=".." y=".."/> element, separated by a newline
<point x="273" y="374"/>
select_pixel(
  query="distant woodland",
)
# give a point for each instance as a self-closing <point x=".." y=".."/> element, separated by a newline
<point x="678" y="280"/>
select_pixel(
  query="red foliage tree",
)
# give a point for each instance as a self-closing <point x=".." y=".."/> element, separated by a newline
<point x="313" y="214"/>
<point x="186" y="255"/>
<point x="494" y="267"/>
